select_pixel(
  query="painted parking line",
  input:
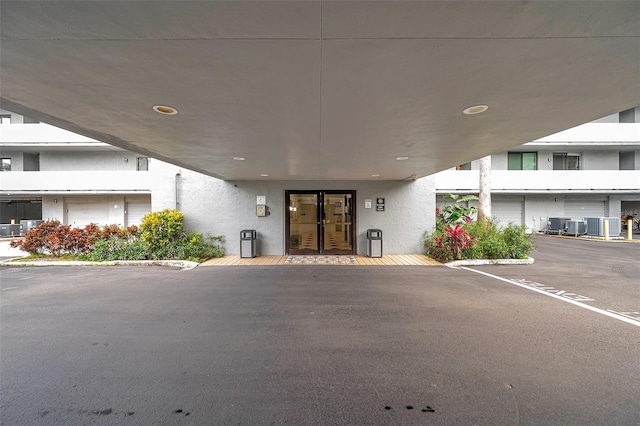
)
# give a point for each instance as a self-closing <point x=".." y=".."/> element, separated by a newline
<point x="632" y="318"/>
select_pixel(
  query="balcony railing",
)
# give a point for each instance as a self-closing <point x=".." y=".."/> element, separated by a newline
<point x="541" y="181"/>
<point x="43" y="135"/>
<point x="77" y="182"/>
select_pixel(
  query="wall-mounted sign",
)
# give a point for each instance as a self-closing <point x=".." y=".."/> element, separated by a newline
<point x="262" y="199"/>
<point x="379" y="204"/>
<point x="367" y="204"/>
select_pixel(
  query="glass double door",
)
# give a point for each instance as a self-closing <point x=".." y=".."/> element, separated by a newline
<point x="320" y="222"/>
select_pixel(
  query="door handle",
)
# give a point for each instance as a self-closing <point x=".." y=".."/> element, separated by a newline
<point x="323" y="222"/>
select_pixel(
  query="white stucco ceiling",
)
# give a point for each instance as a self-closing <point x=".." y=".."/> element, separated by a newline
<point x="319" y="90"/>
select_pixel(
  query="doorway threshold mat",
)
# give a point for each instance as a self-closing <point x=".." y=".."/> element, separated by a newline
<point x="321" y="260"/>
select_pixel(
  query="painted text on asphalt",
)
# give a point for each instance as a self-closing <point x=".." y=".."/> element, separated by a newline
<point x="553" y="290"/>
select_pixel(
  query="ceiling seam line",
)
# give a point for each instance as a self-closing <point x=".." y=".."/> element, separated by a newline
<point x="320" y="96"/>
<point x="320" y="38"/>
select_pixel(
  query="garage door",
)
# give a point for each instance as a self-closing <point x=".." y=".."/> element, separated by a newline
<point x="507" y="212"/>
<point x="136" y="211"/>
<point x="80" y="215"/>
<point x="579" y="209"/>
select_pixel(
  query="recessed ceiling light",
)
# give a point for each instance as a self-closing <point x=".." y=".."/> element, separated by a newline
<point x="264" y="175"/>
<point x="165" y="110"/>
<point x="402" y="158"/>
<point x="375" y="175"/>
<point x="475" y="109"/>
<point x="238" y="158"/>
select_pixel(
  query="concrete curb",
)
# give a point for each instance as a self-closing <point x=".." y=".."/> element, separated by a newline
<point x="182" y="264"/>
<point x="480" y="262"/>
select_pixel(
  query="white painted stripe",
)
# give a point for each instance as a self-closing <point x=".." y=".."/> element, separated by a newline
<point x="573" y="302"/>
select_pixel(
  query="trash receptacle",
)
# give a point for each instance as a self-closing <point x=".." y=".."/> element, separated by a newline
<point x="248" y="243"/>
<point x="374" y="243"/>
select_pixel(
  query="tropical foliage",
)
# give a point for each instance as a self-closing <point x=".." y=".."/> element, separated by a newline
<point x="56" y="239"/>
<point x="458" y="236"/>
<point x="161" y="236"/>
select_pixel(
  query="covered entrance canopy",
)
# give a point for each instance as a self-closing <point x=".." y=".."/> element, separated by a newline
<point x="319" y="90"/>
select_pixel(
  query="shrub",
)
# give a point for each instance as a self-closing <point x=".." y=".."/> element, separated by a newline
<point x="456" y="212"/>
<point x="485" y="241"/>
<point x="518" y="242"/>
<point x="53" y="238"/>
<point x="161" y="236"/>
<point x="35" y="240"/>
<point x="166" y="237"/>
<point x="194" y="247"/>
<point x="450" y="245"/>
<point x="116" y="248"/>
<point x="160" y="229"/>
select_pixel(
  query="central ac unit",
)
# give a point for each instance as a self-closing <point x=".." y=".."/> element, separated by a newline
<point x="595" y="226"/>
<point x="557" y="225"/>
<point x="575" y="228"/>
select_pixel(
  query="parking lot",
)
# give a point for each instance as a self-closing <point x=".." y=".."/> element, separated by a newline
<point x="556" y="342"/>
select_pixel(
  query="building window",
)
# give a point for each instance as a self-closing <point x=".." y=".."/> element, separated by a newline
<point x="5" y="119"/>
<point x="566" y="161"/>
<point x="143" y="164"/>
<point x="523" y="161"/>
<point x="6" y="165"/>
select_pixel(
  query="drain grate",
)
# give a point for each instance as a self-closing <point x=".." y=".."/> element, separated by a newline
<point x="321" y="260"/>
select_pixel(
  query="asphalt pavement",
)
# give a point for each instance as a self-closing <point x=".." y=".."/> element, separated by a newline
<point x="327" y="345"/>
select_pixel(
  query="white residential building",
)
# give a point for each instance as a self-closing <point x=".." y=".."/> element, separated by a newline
<point x="592" y="170"/>
<point x="49" y="173"/>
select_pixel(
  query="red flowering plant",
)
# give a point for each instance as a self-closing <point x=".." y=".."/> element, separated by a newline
<point x="458" y="236"/>
<point x="450" y="238"/>
<point x="456" y="240"/>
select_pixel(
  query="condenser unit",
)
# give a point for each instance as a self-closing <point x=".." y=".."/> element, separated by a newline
<point x="595" y="226"/>
<point x="575" y="228"/>
<point x="557" y="225"/>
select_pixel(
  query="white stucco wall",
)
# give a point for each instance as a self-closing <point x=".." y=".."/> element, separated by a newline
<point x="601" y="160"/>
<point x="53" y="207"/>
<point x="80" y="161"/>
<point x="545" y="160"/>
<point x="216" y="207"/>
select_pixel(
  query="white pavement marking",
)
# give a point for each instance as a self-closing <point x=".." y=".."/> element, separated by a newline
<point x="564" y="299"/>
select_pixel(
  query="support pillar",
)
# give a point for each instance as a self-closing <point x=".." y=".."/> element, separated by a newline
<point x="484" y="193"/>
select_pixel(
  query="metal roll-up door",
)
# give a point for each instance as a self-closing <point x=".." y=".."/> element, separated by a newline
<point x="80" y="215"/>
<point x="579" y="209"/>
<point x="507" y="211"/>
<point x="136" y="210"/>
